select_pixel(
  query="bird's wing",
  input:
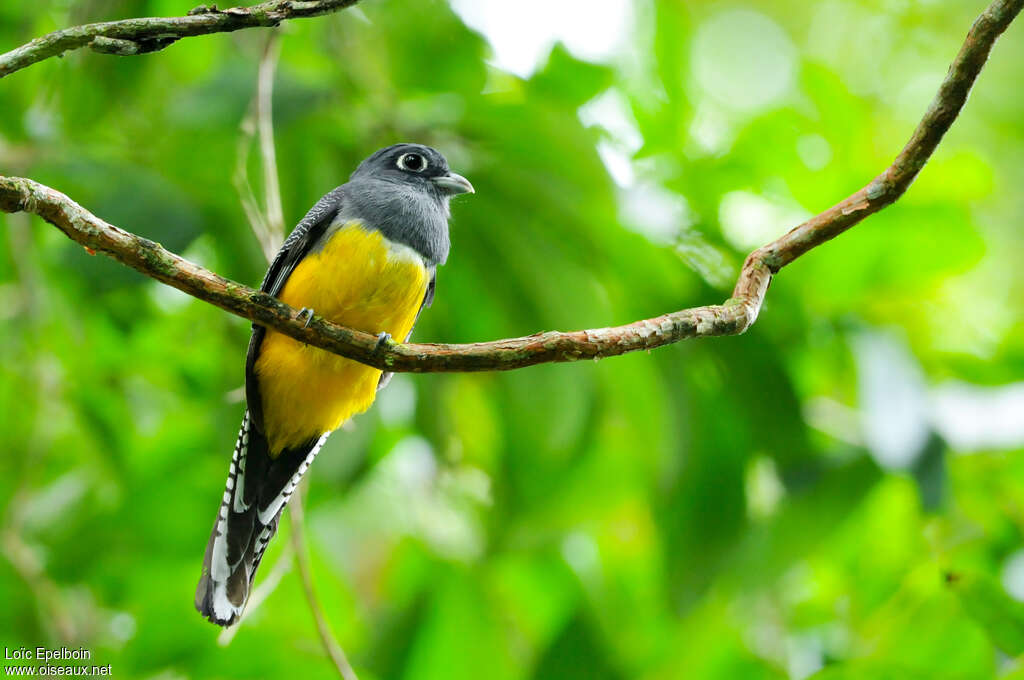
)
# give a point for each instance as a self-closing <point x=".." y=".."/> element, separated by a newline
<point x="298" y="244"/>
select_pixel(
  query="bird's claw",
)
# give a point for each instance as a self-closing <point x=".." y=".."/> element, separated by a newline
<point x="305" y="312"/>
<point x="383" y="340"/>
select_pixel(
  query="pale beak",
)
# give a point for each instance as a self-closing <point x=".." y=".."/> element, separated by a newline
<point x="453" y="184"/>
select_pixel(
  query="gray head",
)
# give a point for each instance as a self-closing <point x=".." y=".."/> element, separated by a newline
<point x="404" y="190"/>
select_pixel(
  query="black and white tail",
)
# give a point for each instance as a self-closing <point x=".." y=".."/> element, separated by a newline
<point x="257" y="490"/>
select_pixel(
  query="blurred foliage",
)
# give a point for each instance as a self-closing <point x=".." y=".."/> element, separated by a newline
<point x="793" y="502"/>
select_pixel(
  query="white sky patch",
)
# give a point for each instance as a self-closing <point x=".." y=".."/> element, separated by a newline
<point x="645" y="206"/>
<point x="974" y="418"/>
<point x="712" y="129"/>
<point x="610" y="111"/>
<point x="804" y="656"/>
<point x="122" y="626"/>
<point x="617" y="162"/>
<point x="666" y="219"/>
<point x="749" y="220"/>
<point x="170" y="300"/>
<point x="397" y="403"/>
<point x="470" y="481"/>
<point x="970" y="418"/>
<point x="409" y="494"/>
<point x="893" y="399"/>
<point x="764" y="488"/>
<point x="412" y="463"/>
<point x="912" y="97"/>
<point x="898" y="409"/>
<point x="521" y="33"/>
<point x="743" y="60"/>
<point x="854" y="40"/>
<point x="835" y="419"/>
<point x="580" y="551"/>
<point x="814" y="151"/>
<point x="1013" y="575"/>
<point x="655" y="212"/>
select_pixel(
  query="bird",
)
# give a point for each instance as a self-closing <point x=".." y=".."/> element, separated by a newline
<point x="365" y="256"/>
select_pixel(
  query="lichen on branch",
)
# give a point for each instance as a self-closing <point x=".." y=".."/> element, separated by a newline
<point x="150" y="34"/>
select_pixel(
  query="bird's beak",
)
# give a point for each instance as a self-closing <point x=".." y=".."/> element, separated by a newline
<point x="453" y="184"/>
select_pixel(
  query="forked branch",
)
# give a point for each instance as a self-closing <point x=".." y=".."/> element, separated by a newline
<point x="730" y="318"/>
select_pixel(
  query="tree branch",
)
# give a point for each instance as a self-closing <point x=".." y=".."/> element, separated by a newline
<point x="151" y="259"/>
<point x="894" y="180"/>
<point x="150" y="34"/>
<point x="730" y="318"/>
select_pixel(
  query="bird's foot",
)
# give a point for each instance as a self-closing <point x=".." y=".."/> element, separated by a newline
<point x="384" y="341"/>
<point x="305" y="312"/>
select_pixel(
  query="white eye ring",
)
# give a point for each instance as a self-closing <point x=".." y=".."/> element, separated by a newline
<point x="412" y="162"/>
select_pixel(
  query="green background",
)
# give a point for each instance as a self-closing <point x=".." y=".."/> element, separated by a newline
<point x="839" y="493"/>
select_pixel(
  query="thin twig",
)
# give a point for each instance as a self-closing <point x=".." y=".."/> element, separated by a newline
<point x="268" y="224"/>
<point x="246" y="196"/>
<point x="29" y="566"/>
<point x="302" y="560"/>
<point x="730" y="318"/>
<point x="268" y="228"/>
<point x="265" y="118"/>
<point x="138" y="36"/>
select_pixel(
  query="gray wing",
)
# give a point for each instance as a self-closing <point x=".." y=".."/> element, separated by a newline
<point x="305" y="235"/>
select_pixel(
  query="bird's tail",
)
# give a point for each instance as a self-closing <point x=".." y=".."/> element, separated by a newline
<point x="257" y="490"/>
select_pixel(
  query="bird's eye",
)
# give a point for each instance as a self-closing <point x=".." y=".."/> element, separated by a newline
<point x="412" y="162"/>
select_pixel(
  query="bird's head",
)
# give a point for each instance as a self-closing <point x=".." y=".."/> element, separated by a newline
<point x="416" y="166"/>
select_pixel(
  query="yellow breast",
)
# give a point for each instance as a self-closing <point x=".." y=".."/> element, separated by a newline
<point x="360" y="280"/>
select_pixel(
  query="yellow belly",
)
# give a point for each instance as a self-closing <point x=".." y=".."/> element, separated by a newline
<point x="358" y="280"/>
